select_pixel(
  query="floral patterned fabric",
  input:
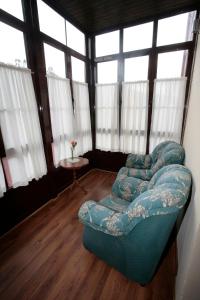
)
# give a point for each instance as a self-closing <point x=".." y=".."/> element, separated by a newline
<point x="115" y="203"/>
<point x="128" y="188"/>
<point x="166" y="193"/>
<point x="145" y="166"/>
<point x="138" y="161"/>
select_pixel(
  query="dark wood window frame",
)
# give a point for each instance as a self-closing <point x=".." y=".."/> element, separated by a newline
<point x="34" y="40"/>
<point x="152" y="69"/>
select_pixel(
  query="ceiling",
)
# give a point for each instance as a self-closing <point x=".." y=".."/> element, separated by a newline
<point x="95" y="16"/>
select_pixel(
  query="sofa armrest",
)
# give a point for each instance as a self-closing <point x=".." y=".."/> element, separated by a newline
<point x="101" y="218"/>
<point x="138" y="161"/>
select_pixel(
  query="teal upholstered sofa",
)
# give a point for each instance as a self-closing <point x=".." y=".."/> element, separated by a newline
<point x="145" y="166"/>
<point x="131" y="234"/>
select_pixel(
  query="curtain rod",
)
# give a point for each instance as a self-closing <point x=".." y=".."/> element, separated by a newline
<point x="171" y="79"/>
<point x="136" y="81"/>
<point x="56" y="77"/>
<point x="10" y="66"/>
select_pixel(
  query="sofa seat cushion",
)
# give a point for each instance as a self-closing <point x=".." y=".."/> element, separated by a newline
<point x="115" y="203"/>
<point x="128" y="188"/>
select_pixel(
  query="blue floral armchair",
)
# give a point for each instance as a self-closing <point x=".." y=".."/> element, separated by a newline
<point x="131" y="235"/>
<point x="145" y="166"/>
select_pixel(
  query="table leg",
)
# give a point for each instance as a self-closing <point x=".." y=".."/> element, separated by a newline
<point x="76" y="182"/>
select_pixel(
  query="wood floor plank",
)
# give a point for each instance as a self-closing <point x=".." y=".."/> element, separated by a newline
<point x="43" y="258"/>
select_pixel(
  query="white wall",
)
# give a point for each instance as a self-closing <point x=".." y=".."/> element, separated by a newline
<point x="188" y="277"/>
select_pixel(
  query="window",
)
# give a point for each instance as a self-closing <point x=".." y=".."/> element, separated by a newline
<point x="55" y="61"/>
<point x="167" y="114"/>
<point x="12" y="7"/>
<point x="12" y="50"/>
<point x="51" y="22"/>
<point x="107" y="43"/>
<point x="171" y="64"/>
<point x="78" y="69"/>
<point x="107" y="117"/>
<point x="136" y="68"/>
<point x="138" y="37"/>
<point x="134" y="117"/>
<point x="175" y="29"/>
<point x="107" y="72"/>
<point x="82" y="117"/>
<point x="75" y="38"/>
<point x="20" y="126"/>
<point x="62" y="122"/>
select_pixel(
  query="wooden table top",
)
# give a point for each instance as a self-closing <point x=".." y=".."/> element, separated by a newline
<point x="74" y="166"/>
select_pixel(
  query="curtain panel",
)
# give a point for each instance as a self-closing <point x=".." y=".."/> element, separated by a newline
<point x="62" y="117"/>
<point x="167" y="114"/>
<point x="2" y="181"/>
<point x="82" y="117"/>
<point x="20" y="126"/>
<point x="107" y="117"/>
<point x="134" y="112"/>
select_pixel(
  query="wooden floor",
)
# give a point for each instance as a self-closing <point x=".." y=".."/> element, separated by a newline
<point x="43" y="258"/>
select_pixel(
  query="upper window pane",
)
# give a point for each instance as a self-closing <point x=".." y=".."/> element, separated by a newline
<point x="12" y="50"/>
<point x="138" y="37"/>
<point x="78" y="69"/>
<point x="75" y="38"/>
<point x="107" y="43"/>
<point x="107" y="72"/>
<point x="51" y="22"/>
<point x="172" y="64"/>
<point x="136" y="68"/>
<point x="175" y="29"/>
<point x="55" y="61"/>
<point x="12" y="7"/>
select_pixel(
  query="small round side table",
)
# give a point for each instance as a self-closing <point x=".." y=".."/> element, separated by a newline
<point x="75" y="166"/>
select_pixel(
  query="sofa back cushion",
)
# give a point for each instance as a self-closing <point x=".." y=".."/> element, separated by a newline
<point x="166" y="153"/>
<point x="171" y="175"/>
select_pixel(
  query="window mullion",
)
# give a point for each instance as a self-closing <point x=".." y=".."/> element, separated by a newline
<point x="153" y="58"/>
<point x="120" y="76"/>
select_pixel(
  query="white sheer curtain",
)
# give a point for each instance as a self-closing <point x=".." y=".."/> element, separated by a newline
<point x="167" y="115"/>
<point x="20" y="126"/>
<point x="134" y="117"/>
<point x="107" y="117"/>
<point x="62" y="117"/>
<point x="82" y="117"/>
<point x="2" y="181"/>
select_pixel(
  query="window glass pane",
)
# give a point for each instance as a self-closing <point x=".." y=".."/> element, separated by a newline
<point x="107" y="43"/>
<point x="12" y="7"/>
<point x="75" y="38"/>
<point x="172" y="64"/>
<point x="138" y="37"/>
<point x="51" y="22"/>
<point x="167" y="113"/>
<point x="136" y="68"/>
<point x="175" y="29"/>
<point x="55" y="61"/>
<point x="12" y="50"/>
<point x="78" y="69"/>
<point x="107" y="117"/>
<point x="107" y="72"/>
